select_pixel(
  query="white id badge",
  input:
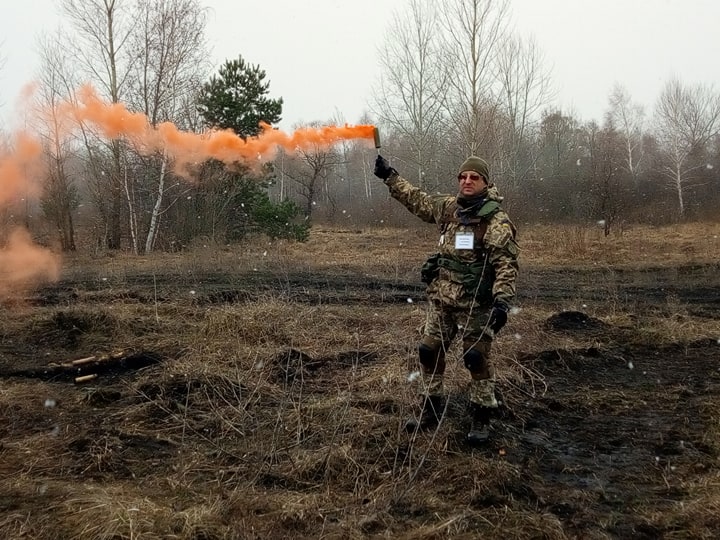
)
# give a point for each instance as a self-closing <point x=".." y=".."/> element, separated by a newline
<point x="464" y="240"/>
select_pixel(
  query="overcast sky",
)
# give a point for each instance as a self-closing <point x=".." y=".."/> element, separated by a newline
<point x="321" y="55"/>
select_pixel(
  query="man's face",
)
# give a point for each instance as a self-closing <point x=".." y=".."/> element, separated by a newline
<point x="471" y="183"/>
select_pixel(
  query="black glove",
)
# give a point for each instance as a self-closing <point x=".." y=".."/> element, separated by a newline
<point x="382" y="168"/>
<point x="498" y="316"/>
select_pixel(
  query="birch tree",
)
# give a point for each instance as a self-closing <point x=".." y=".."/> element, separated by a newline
<point x="169" y="60"/>
<point x="687" y="118"/>
<point x="628" y="119"/>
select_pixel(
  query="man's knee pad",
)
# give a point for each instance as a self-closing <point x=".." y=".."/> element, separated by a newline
<point x="477" y="359"/>
<point x="474" y="360"/>
<point x="429" y="352"/>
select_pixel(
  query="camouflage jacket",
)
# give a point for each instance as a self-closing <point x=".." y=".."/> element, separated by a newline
<point x="468" y="273"/>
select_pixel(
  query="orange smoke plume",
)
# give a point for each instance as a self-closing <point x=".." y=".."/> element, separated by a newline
<point x="24" y="265"/>
<point x="18" y="168"/>
<point x="186" y="148"/>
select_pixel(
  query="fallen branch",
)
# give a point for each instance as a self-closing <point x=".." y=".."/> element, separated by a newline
<point x="91" y="367"/>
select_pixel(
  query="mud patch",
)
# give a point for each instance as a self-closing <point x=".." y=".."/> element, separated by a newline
<point x="619" y="426"/>
<point x="572" y="321"/>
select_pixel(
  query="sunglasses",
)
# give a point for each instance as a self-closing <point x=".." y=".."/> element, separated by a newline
<point x="472" y="176"/>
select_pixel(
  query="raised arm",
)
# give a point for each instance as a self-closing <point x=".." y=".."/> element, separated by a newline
<point x="429" y="208"/>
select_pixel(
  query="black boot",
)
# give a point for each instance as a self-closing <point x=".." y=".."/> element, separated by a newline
<point x="480" y="423"/>
<point x="430" y="414"/>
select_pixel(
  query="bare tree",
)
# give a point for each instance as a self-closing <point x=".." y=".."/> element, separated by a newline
<point x="473" y="32"/>
<point x="411" y="97"/>
<point x="59" y="199"/>
<point x="525" y="91"/>
<point x="687" y="118"/>
<point x="169" y="61"/>
<point x="605" y="147"/>
<point x="103" y="28"/>
<point x="558" y="169"/>
<point x="344" y="189"/>
<point x="310" y="170"/>
<point x="628" y="119"/>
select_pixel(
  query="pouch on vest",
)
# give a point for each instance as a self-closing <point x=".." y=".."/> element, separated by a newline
<point x="430" y="269"/>
<point x="476" y="278"/>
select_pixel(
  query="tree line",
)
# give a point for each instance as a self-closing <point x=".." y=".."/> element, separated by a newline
<point x="457" y="80"/>
<point x="454" y="80"/>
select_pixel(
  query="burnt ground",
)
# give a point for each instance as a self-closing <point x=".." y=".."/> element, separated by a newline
<point x="618" y="439"/>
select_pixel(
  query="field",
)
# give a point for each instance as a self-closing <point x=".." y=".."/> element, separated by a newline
<point x="259" y="391"/>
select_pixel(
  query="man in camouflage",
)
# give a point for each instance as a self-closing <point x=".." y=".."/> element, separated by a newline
<point x="470" y="285"/>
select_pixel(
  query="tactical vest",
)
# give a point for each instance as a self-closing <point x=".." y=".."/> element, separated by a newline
<point x="472" y="273"/>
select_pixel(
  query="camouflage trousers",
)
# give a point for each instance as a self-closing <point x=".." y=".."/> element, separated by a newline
<point x="442" y="325"/>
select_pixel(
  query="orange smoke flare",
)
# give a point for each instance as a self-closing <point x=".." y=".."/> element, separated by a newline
<point x="24" y="265"/>
<point x="186" y="148"/>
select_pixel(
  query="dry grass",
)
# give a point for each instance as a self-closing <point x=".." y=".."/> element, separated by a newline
<point x="679" y="244"/>
<point x="278" y="415"/>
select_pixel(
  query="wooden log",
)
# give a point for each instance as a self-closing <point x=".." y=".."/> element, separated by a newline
<point x="85" y="378"/>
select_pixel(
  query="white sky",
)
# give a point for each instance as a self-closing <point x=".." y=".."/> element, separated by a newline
<point x="321" y="55"/>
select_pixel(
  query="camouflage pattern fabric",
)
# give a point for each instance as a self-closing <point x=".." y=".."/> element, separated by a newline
<point x="482" y="392"/>
<point x="444" y="323"/>
<point x="495" y="254"/>
<point x="467" y="282"/>
<point x="431" y="384"/>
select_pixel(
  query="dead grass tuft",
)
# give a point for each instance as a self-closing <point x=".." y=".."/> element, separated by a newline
<point x="677" y="244"/>
<point x="278" y="409"/>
